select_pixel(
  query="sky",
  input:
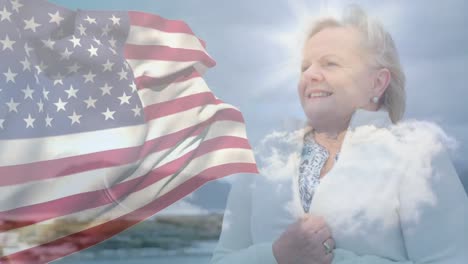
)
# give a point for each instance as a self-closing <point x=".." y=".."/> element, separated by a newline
<point x="255" y="43"/>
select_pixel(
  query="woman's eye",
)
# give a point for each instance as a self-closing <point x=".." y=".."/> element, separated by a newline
<point x="304" y="68"/>
<point x="331" y="63"/>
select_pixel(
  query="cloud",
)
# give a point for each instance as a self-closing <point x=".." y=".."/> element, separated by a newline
<point x="376" y="165"/>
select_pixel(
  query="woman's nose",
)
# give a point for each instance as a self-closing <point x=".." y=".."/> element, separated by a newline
<point x="313" y="74"/>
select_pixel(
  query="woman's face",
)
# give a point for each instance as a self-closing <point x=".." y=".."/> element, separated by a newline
<point x="336" y="78"/>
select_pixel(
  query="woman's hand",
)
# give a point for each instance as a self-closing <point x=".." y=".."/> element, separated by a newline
<point x="303" y="242"/>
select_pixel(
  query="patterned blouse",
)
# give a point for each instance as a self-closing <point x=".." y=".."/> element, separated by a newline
<point x="313" y="158"/>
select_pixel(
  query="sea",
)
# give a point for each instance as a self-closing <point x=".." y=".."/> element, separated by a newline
<point x="198" y="253"/>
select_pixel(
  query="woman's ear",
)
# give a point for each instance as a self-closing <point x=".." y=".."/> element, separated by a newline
<point x="381" y="81"/>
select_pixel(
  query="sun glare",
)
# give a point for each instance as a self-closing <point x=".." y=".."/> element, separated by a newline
<point x="288" y="41"/>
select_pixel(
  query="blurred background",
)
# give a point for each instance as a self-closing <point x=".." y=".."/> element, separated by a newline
<point x="255" y="45"/>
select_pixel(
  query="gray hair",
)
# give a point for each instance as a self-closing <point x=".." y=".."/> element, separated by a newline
<point x="382" y="49"/>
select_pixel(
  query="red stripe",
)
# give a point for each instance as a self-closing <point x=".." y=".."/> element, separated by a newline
<point x="179" y="105"/>
<point x="90" y="237"/>
<point x="181" y="76"/>
<point x="82" y="201"/>
<point x="143" y="19"/>
<point x="153" y="52"/>
<point x="18" y="174"/>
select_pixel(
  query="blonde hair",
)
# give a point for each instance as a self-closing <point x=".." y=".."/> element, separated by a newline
<point x="382" y="49"/>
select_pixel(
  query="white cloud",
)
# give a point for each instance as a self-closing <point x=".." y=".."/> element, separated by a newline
<point x="385" y="158"/>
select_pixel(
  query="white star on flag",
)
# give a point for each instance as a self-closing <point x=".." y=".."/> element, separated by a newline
<point x="123" y="74"/>
<point x="55" y="18"/>
<point x="41" y="67"/>
<point x="49" y="43"/>
<point x="58" y="79"/>
<point x="137" y="110"/>
<point x="108" y="66"/>
<point x="26" y="64"/>
<point x="28" y="92"/>
<point x="48" y="121"/>
<point x="97" y="41"/>
<point x="60" y="105"/>
<point x="7" y="43"/>
<point x="82" y="30"/>
<point x="10" y="76"/>
<point x="45" y="93"/>
<point x="112" y="42"/>
<point x="71" y="92"/>
<point x="90" y="20"/>
<point x="12" y="106"/>
<point x="29" y="121"/>
<point x="92" y="51"/>
<point x="106" y="89"/>
<point x="90" y="102"/>
<point x="115" y="20"/>
<point x="75" y="41"/>
<point x="74" y="68"/>
<point x="40" y="105"/>
<point x="31" y="24"/>
<point x="75" y="118"/>
<point x="133" y="86"/>
<point x="89" y="77"/>
<point x="5" y="15"/>
<point x="108" y="114"/>
<point x="106" y="30"/>
<point x="124" y="99"/>
<point x="16" y="5"/>
<point x="27" y="49"/>
<point x="65" y="55"/>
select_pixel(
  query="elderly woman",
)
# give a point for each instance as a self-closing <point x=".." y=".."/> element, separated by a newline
<point x="355" y="185"/>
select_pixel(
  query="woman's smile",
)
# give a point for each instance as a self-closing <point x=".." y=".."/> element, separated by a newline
<point x="318" y="95"/>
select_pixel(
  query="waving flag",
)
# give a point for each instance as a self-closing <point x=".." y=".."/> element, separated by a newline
<point x="104" y="120"/>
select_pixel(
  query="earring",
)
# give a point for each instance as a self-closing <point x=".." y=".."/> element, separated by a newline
<point x="375" y="99"/>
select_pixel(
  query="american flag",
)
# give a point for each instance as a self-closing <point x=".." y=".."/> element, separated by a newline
<point x="104" y="121"/>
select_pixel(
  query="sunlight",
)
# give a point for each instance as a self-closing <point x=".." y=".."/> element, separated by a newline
<point x="289" y="42"/>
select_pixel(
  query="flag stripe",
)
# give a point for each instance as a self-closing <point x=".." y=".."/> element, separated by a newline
<point x="145" y="81"/>
<point x="115" y="226"/>
<point x="163" y="69"/>
<point x="141" y="198"/>
<point x="165" y="93"/>
<point x="149" y="36"/>
<point x="153" y="21"/>
<point x="58" y="147"/>
<point x="74" y="203"/>
<point x="114" y="157"/>
<point x="147" y="52"/>
<point x="101" y="178"/>
<point x="180" y="104"/>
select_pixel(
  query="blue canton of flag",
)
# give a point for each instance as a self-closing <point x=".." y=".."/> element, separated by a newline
<point x="63" y="72"/>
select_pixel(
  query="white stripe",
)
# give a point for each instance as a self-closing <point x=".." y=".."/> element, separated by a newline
<point x="138" y="199"/>
<point x="160" y="68"/>
<point x="23" y="151"/>
<point x="33" y="193"/>
<point x="139" y="35"/>
<point x="173" y="123"/>
<point x="163" y="93"/>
